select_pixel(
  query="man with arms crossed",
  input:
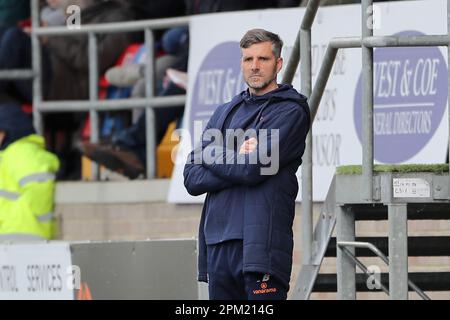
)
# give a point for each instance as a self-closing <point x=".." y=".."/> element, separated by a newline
<point x="245" y="234"/>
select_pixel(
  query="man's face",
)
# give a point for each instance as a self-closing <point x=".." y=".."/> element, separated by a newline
<point x="260" y="67"/>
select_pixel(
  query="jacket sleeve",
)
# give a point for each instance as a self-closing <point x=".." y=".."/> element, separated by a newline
<point x="197" y="178"/>
<point x="36" y="180"/>
<point x="282" y="142"/>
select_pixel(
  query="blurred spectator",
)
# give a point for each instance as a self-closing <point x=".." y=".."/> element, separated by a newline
<point x="65" y="62"/>
<point x="127" y="152"/>
<point x="153" y="9"/>
<point x="207" y="6"/>
<point x="175" y="45"/>
<point x="13" y="11"/>
<point x="15" y="53"/>
<point x="27" y="174"/>
<point x="69" y="59"/>
<point x="53" y="14"/>
<point x="69" y="64"/>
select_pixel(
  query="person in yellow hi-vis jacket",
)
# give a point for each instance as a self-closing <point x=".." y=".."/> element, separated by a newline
<point x="27" y="179"/>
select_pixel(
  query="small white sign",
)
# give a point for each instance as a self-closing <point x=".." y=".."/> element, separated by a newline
<point x="40" y="271"/>
<point x="411" y="188"/>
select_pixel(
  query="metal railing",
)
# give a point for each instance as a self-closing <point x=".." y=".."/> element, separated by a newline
<point x="367" y="42"/>
<point x="307" y="177"/>
<point x="93" y="105"/>
<point x="367" y="245"/>
<point x="16" y="74"/>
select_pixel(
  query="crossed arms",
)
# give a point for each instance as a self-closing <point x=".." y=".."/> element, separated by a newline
<point x="231" y="168"/>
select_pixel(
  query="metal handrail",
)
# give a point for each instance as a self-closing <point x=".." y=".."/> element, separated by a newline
<point x="367" y="42"/>
<point x="16" y="74"/>
<point x="355" y="42"/>
<point x="364" y="268"/>
<point x="294" y="59"/>
<point x="376" y="251"/>
<point x="93" y="105"/>
<point x="367" y="102"/>
<point x="307" y="178"/>
<point x="111" y="105"/>
<point x="114" y="27"/>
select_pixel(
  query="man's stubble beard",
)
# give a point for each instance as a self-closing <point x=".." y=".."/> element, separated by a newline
<point x="265" y="84"/>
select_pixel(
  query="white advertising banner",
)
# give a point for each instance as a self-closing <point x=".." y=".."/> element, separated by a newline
<point x="410" y="84"/>
<point x="36" y="272"/>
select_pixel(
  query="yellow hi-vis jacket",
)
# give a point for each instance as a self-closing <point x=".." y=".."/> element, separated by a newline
<point x="27" y="183"/>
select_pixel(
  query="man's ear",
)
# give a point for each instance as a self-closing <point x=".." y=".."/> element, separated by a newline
<point x="279" y="64"/>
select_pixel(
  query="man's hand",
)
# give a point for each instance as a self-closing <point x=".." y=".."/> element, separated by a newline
<point x="248" y="146"/>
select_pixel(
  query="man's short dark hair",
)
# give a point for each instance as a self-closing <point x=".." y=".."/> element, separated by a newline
<point x="254" y="36"/>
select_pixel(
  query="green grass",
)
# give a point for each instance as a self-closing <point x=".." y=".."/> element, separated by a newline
<point x="401" y="168"/>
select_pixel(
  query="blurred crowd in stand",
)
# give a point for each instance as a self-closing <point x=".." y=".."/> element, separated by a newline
<point x="122" y="70"/>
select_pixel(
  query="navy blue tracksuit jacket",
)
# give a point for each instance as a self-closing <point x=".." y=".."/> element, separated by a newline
<point x="242" y="203"/>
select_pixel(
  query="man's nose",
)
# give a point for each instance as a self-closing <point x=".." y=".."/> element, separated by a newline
<point x="255" y="65"/>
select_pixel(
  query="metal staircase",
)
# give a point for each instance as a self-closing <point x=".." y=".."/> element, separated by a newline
<point x="395" y="196"/>
<point x="345" y="206"/>
<point x="322" y="235"/>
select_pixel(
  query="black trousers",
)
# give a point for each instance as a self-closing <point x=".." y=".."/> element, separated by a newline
<point x="227" y="281"/>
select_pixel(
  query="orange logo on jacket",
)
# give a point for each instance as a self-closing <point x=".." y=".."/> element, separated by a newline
<point x="264" y="289"/>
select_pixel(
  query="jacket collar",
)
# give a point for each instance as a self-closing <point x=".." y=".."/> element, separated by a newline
<point x="237" y="100"/>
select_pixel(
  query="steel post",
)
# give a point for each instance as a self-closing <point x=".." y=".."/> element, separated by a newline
<point x="292" y="64"/>
<point x="93" y="95"/>
<point x="448" y="86"/>
<point x="36" y="66"/>
<point x="398" y="251"/>
<point x="346" y="268"/>
<point x="149" y="112"/>
<point x="367" y="100"/>
<point x="307" y="179"/>
<point x="321" y="80"/>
